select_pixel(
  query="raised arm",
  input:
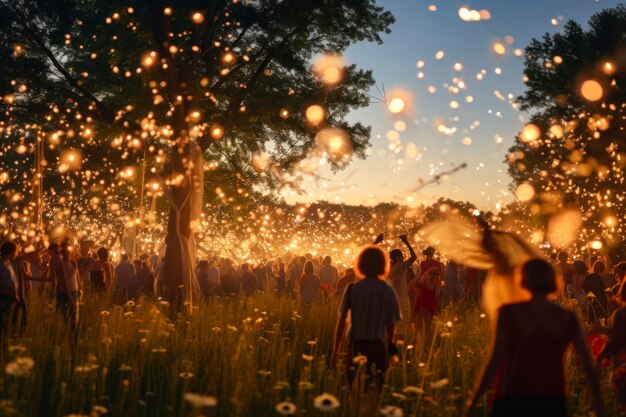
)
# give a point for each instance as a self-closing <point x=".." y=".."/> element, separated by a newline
<point x="413" y="255"/>
<point x="379" y="238"/>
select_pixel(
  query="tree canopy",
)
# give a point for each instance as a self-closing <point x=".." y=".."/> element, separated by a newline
<point x="573" y="152"/>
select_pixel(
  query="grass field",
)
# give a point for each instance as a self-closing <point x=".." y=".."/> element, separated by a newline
<point x="241" y="356"/>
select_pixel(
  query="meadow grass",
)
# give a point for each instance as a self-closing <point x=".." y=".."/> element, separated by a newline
<point x="249" y="353"/>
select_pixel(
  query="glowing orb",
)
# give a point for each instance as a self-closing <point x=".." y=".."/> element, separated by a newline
<point x="591" y="90"/>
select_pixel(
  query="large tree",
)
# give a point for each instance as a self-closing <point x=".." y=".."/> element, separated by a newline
<point x="115" y="83"/>
<point x="573" y="152"/>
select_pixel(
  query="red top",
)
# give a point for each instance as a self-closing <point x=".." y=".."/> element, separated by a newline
<point x="430" y="263"/>
<point x="534" y="347"/>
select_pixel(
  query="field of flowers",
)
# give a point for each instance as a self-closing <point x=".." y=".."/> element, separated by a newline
<point x="260" y="356"/>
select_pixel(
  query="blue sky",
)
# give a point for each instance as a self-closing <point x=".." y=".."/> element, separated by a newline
<point x="489" y="121"/>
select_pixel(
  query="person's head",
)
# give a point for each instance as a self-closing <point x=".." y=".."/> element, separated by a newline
<point x="281" y="266"/>
<point x="396" y="256"/>
<point x="66" y="251"/>
<point x="429" y="252"/>
<point x="302" y="259"/>
<point x="245" y="268"/>
<point x="137" y="264"/>
<point x="309" y="268"/>
<point x="599" y="267"/>
<point x="8" y="251"/>
<point x="327" y="260"/>
<point x="579" y="267"/>
<point x="103" y="254"/>
<point x="371" y="262"/>
<point x="53" y="249"/>
<point x="538" y="277"/>
<point x="124" y="258"/>
<point x="562" y="256"/>
<point x="145" y="266"/>
<point x="203" y="264"/>
<point x="620" y="271"/>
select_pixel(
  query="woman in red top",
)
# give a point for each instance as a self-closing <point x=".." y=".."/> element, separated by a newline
<point x="526" y="362"/>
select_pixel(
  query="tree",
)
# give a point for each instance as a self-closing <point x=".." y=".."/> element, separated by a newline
<point x="228" y="82"/>
<point x="573" y="152"/>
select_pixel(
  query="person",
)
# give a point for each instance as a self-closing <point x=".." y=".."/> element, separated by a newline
<point x="328" y="274"/>
<point x="426" y="300"/>
<point x="124" y="273"/>
<point x="430" y="261"/>
<point x="474" y="279"/>
<point x="579" y="272"/>
<point x="615" y="349"/>
<point x="249" y="280"/>
<point x="399" y="269"/>
<point x="101" y="272"/>
<point x="295" y="272"/>
<point x="85" y="262"/>
<point x="526" y="360"/>
<point x="348" y="278"/>
<point x="310" y="285"/>
<point x="68" y="286"/>
<point x="597" y="301"/>
<point x="144" y="280"/>
<point x="203" y="277"/>
<point x="374" y="310"/>
<point x="9" y="286"/>
<point x="213" y="277"/>
<point x="452" y="290"/>
<point x="281" y="279"/>
<point x="566" y="270"/>
<point x="228" y="278"/>
<point x="619" y="271"/>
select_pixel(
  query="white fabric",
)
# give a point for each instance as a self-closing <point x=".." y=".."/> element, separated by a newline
<point x="465" y="244"/>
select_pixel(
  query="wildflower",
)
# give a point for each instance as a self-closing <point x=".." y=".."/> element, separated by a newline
<point x="305" y="385"/>
<point x="200" y="401"/>
<point x="439" y="384"/>
<point x="130" y="303"/>
<point x="286" y="408"/>
<point x="20" y="367"/>
<point x="312" y="342"/>
<point x="231" y="328"/>
<point x="326" y="402"/>
<point x="306" y="357"/>
<point x="100" y="409"/>
<point x="391" y="411"/>
<point x="128" y="314"/>
<point x="359" y="360"/>
<point x="17" y="349"/>
<point x="105" y="313"/>
<point x="398" y="396"/>
<point x="185" y="375"/>
<point x="410" y="389"/>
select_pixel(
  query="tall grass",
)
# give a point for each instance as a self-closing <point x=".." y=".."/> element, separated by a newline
<point x="250" y="354"/>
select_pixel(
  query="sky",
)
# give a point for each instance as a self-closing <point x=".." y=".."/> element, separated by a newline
<point x="433" y="135"/>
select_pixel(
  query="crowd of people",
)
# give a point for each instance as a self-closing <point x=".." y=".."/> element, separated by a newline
<point x="377" y="292"/>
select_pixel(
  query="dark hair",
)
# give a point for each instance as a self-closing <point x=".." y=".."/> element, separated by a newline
<point x="203" y="264"/>
<point x="7" y="248"/>
<point x="562" y="256"/>
<point x="395" y="254"/>
<point x="371" y="261"/>
<point x="124" y="257"/>
<point x="580" y="267"/>
<point x="103" y="253"/>
<point x="538" y="277"/>
<point x="309" y="268"/>
<point x="429" y="251"/>
<point x="54" y="247"/>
